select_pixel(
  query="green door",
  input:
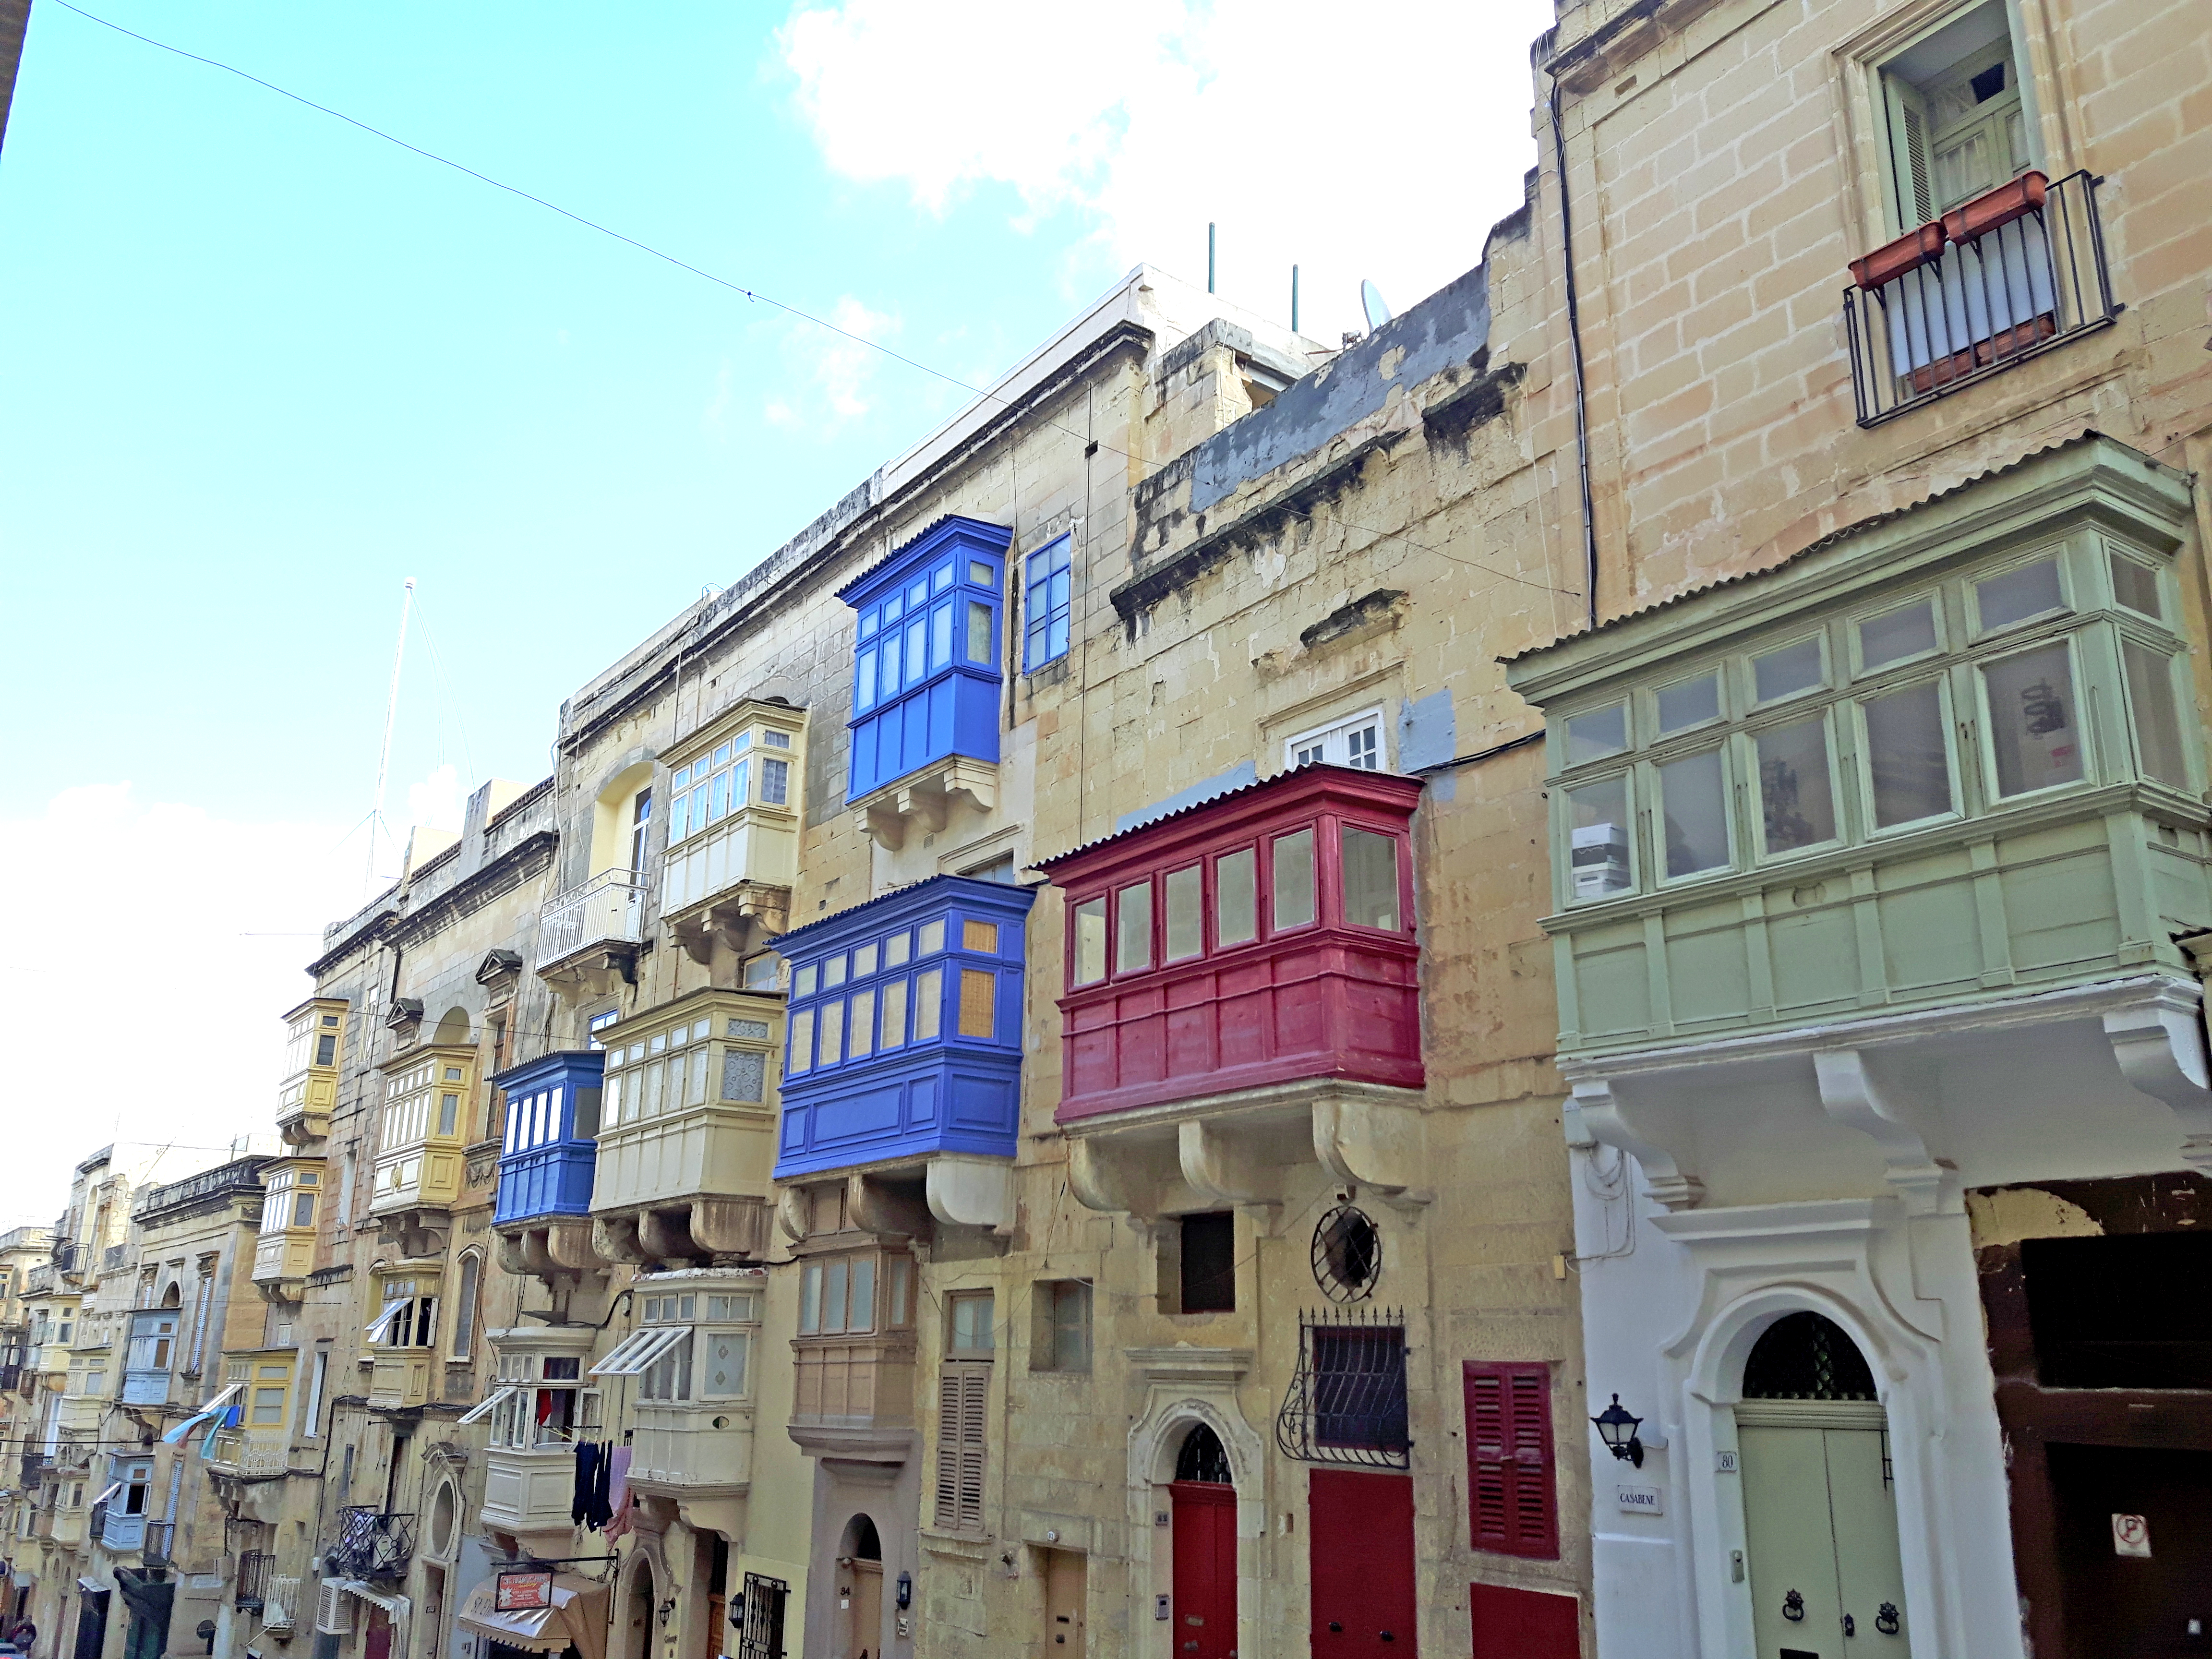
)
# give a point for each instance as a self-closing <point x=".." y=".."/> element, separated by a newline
<point x="1825" y="1579"/>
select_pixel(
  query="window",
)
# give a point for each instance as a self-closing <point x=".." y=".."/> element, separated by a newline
<point x="2152" y="704"/>
<point x="1060" y="1331"/>
<point x="1236" y="905"/>
<point x="1693" y="799"/>
<point x="1186" y="914"/>
<point x="963" y="1414"/>
<point x="837" y="1296"/>
<point x="2034" y="729"/>
<point x="464" y="1308"/>
<point x="1292" y="858"/>
<point x="1133" y="939"/>
<point x="1357" y="742"/>
<point x="1090" y="942"/>
<point x="1370" y="878"/>
<point x="708" y="789"/>
<point x="641" y="822"/>
<point x="597" y="1023"/>
<point x="1512" y="1492"/>
<point x="311" y="1425"/>
<point x="1045" y="604"/>
<point x="1206" y="1263"/>
<point x="1957" y="128"/>
<point x="1796" y="795"/>
<point x="968" y="1322"/>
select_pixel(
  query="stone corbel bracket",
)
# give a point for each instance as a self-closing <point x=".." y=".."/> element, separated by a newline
<point x="744" y="918"/>
<point x="1856" y="1097"/>
<point x="2160" y="1046"/>
<point x="1373" y="1143"/>
<point x="1635" y="1128"/>
<point x="925" y="795"/>
<point x="887" y="1208"/>
<point x="972" y="1192"/>
<point x="1222" y="1171"/>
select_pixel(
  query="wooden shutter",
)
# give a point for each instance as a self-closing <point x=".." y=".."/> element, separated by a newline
<point x="1512" y="1494"/>
<point x="963" y="1390"/>
<point x="1908" y="152"/>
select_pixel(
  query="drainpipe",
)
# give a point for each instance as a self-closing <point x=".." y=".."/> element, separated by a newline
<point x="1575" y="339"/>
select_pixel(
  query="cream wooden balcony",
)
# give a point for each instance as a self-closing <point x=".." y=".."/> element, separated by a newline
<point x="687" y="1131"/>
<point x="530" y="1490"/>
<point x="733" y="827"/>
<point x="255" y="1453"/>
<point x="313" y="1052"/>
<point x="537" y="1406"/>
<point x="421" y="1135"/>
<point x="691" y="1358"/>
<point x="284" y="1253"/>
<point x="587" y="936"/>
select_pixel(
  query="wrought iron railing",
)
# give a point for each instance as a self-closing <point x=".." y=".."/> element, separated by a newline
<point x="38" y="1279"/>
<point x="240" y="1175"/>
<point x="65" y="1255"/>
<point x="608" y="909"/>
<point x="160" y="1548"/>
<point x="255" y="1569"/>
<point x="1346" y="1404"/>
<point x="373" y="1543"/>
<point x="1995" y="281"/>
<point x="760" y="1621"/>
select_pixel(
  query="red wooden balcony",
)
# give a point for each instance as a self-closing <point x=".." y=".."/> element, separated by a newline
<point x="1263" y="938"/>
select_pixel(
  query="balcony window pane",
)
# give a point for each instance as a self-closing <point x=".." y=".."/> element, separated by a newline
<point x="894" y="607"/>
<point x="1898" y="635"/>
<point x="775" y="782"/>
<point x="327" y="1050"/>
<point x="1294" y="879"/>
<point x="740" y="789"/>
<point x="917" y="664"/>
<point x="981" y="937"/>
<point x="1597" y="836"/>
<point x="449" y="1113"/>
<point x="303" y="1209"/>
<point x="864" y="683"/>
<point x="833" y="972"/>
<point x="744" y="1075"/>
<point x="1370" y="879"/>
<point x="1694" y="794"/>
<point x="1186" y="923"/>
<point x="863" y="1314"/>
<point x="268" y="1406"/>
<point x="802" y="982"/>
<point x="1133" y="934"/>
<point x="979" y="633"/>
<point x="888" y="674"/>
<point x="1689" y="702"/>
<point x="727" y="1356"/>
<point x="930" y="939"/>
<point x="928" y="1004"/>
<point x="1906" y="756"/>
<point x="898" y="1287"/>
<point x="696" y="1092"/>
<point x="1236" y="920"/>
<point x="978" y="991"/>
<point x="2035" y="733"/>
<point x="2030" y="590"/>
<point x="971" y="1322"/>
<point x="1794" y="795"/>
<point x="2158" y="723"/>
<point x="1091" y="941"/>
<point x="1783" y="673"/>
<point x="1601" y="733"/>
<point x="833" y="1298"/>
<point x="864" y="1023"/>
<point x="864" y="961"/>
<point x="717" y="801"/>
<point x="894" y="1020"/>
<point x="897" y="949"/>
<point x="810" y="1298"/>
<point x="802" y="1042"/>
<point x="2134" y="586"/>
<point x="830" y="1048"/>
<point x="940" y="636"/>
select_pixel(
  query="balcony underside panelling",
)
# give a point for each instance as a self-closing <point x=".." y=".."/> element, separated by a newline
<point x="546" y="1181"/>
<point x="712" y="1149"/>
<point x="956" y="716"/>
<point x="971" y="1105"/>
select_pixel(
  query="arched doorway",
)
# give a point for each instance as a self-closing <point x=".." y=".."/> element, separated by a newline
<point x="635" y="1637"/>
<point x="860" y="1590"/>
<point x="1819" y="1499"/>
<point x="1203" y="1505"/>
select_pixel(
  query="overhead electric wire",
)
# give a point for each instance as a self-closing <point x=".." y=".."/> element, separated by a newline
<point x="752" y="294"/>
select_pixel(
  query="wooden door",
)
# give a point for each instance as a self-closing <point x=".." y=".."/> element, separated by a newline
<point x="717" y="1614"/>
<point x="1204" y="1608"/>
<point x="1826" y="1580"/>
<point x="1360" y="1545"/>
<point x="868" y="1627"/>
<point x="1064" y="1592"/>
<point x="2135" y="1539"/>
<point x="376" y="1642"/>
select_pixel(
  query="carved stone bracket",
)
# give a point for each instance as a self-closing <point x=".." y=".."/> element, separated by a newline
<point x="744" y="918"/>
<point x="1374" y="1144"/>
<point x="1636" y="1130"/>
<point x="1851" y="1095"/>
<point x="898" y="1209"/>
<point x="614" y="1238"/>
<point x="924" y="796"/>
<point x="972" y="1192"/>
<point x="1222" y="1169"/>
<point x="569" y="1244"/>
<point x="2160" y="1046"/>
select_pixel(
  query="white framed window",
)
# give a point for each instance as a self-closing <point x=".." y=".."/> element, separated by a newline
<point x="1356" y="742"/>
<point x="1956" y="120"/>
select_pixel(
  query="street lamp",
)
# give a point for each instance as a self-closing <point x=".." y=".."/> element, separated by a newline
<point x="1617" y="1427"/>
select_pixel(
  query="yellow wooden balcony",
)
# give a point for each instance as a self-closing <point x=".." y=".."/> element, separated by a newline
<point x="292" y="1197"/>
<point x="402" y="1338"/>
<point x="313" y="1052"/>
<point x="734" y="820"/>
<point x="428" y="1092"/>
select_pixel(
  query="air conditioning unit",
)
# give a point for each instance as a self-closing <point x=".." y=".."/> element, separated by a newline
<point x="334" y="1610"/>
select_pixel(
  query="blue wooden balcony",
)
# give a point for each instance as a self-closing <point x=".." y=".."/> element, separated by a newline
<point x="552" y="1125"/>
<point x="905" y="1028"/>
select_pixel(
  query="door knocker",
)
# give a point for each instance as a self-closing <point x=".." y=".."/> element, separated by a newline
<point x="1793" y="1608"/>
<point x="1885" y="1619"/>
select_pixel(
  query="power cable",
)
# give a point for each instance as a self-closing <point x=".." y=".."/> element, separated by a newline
<point x="751" y="293"/>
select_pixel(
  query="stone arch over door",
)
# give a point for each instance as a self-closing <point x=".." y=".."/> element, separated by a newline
<point x="1155" y="1439"/>
<point x="637" y="1602"/>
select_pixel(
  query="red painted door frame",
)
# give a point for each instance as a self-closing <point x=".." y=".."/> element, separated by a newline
<point x="1360" y="1532"/>
<point x="1204" y="1607"/>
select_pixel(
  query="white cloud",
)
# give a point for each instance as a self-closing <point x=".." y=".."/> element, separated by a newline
<point x="1380" y="142"/>
<point x="145" y="952"/>
<point x="833" y="375"/>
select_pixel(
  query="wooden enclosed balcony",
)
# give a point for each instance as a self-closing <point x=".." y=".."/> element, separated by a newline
<point x="313" y="1048"/>
<point x="692" y="1359"/>
<point x="421" y="1130"/>
<point x="734" y="799"/>
<point x="291" y="1200"/>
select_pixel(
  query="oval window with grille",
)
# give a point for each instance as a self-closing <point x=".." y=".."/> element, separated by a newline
<point x="1347" y="1254"/>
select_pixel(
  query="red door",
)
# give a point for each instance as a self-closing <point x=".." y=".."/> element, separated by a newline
<point x="376" y="1642"/>
<point x="1361" y="1525"/>
<point x="1205" y="1606"/>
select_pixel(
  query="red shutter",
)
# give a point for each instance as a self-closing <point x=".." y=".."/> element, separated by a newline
<point x="1512" y="1497"/>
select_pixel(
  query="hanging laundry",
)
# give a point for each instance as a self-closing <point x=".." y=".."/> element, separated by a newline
<point x="619" y="1493"/>
<point x="588" y="1455"/>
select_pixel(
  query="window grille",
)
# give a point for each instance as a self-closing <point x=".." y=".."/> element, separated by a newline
<point x="1347" y="1402"/>
<point x="760" y="1628"/>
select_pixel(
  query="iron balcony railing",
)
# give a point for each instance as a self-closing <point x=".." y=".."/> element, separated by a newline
<point x="39" y="1279"/>
<point x="255" y="1569"/>
<point x="373" y="1543"/>
<point x="1995" y="282"/>
<point x="35" y="1465"/>
<point x="1346" y="1403"/>
<point x="160" y="1548"/>
<point x="608" y="909"/>
<point x="239" y="1176"/>
<point x="65" y="1253"/>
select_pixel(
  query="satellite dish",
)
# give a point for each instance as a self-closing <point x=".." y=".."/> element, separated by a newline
<point x="1371" y="300"/>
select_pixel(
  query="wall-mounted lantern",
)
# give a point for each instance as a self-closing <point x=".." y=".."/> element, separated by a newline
<point x="1617" y="1427"/>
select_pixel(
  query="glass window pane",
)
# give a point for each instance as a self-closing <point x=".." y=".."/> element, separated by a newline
<point x="888" y="675"/>
<point x="864" y="1023"/>
<point x="980" y="574"/>
<point x="864" y="681"/>
<point x="1601" y="733"/>
<point x="833" y="1297"/>
<point x="1795" y="796"/>
<point x="833" y="972"/>
<point x="802" y="981"/>
<point x="2135" y="586"/>
<point x="802" y="1042"/>
<point x="744" y="1075"/>
<point x="941" y="578"/>
<point x="1597" y="838"/>
<point x="928" y="1004"/>
<point x="775" y="782"/>
<point x="831" y="1048"/>
<point x="1132" y="931"/>
<point x="1785" y="672"/>
<point x="1898" y="635"/>
<point x="1370" y="879"/>
<point x="810" y="1298"/>
<point x="864" y="961"/>
<point x="917" y="664"/>
<point x="894" y="1020"/>
<point x="980" y="936"/>
<point x="979" y="632"/>
<point x="862" y="1316"/>
<point x="940" y="636"/>
<point x="2158" y="723"/>
<point x="1689" y="702"/>
<point x="930" y="939"/>
<point x="899" y="1281"/>
<point x="1694" y="796"/>
<point x="2035" y="733"/>
<point x="2016" y="595"/>
<point x="897" y="949"/>
<point x="1071" y="1327"/>
<point x="1906" y="756"/>
<point x="1186" y="923"/>
<point x="1293" y="857"/>
<point x="1091" y="941"/>
<point x="979" y="993"/>
<point x="1234" y="903"/>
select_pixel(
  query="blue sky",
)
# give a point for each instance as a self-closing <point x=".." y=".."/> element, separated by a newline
<point x="258" y="365"/>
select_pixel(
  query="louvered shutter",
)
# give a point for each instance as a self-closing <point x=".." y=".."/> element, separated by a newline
<point x="1908" y="148"/>
<point x="1512" y="1496"/>
<point x="963" y="1392"/>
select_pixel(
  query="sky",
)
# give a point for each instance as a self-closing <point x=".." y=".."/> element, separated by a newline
<point x="257" y="366"/>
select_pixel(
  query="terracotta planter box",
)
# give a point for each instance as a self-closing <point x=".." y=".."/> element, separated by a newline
<point x="1892" y="260"/>
<point x="2023" y="196"/>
